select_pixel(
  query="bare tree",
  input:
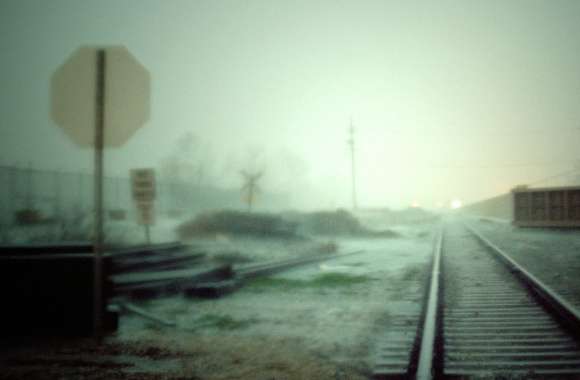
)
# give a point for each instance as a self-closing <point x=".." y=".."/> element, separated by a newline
<point x="252" y="170"/>
<point x="189" y="162"/>
<point x="250" y="187"/>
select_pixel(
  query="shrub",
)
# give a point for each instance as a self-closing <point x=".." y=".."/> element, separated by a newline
<point x="237" y="223"/>
<point x="339" y="222"/>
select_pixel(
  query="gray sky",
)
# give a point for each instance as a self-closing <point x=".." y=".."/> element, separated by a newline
<point x="450" y="99"/>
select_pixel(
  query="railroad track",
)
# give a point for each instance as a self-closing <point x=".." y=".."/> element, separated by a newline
<point x="548" y="242"/>
<point x="487" y="317"/>
<point x="242" y="274"/>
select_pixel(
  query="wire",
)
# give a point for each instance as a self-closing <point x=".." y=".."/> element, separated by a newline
<point x="495" y="166"/>
<point x="562" y="174"/>
<point x="479" y="132"/>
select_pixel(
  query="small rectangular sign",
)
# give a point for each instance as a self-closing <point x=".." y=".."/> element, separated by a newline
<point x="145" y="213"/>
<point x="143" y="185"/>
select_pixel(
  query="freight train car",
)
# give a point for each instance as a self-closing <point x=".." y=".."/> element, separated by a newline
<point x="546" y="207"/>
<point x="499" y="207"/>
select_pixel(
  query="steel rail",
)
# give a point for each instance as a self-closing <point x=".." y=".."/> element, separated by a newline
<point x="493" y="307"/>
<point x="416" y="352"/>
<point x="143" y="250"/>
<point x="430" y="330"/>
<point x="251" y="271"/>
<point x="129" y="307"/>
<point x="567" y="313"/>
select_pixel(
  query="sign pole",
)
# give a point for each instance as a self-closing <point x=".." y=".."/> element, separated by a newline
<point x="100" y="96"/>
<point x="98" y="191"/>
<point x="147" y="234"/>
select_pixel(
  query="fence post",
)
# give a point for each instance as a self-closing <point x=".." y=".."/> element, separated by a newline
<point x="29" y="185"/>
<point x="57" y="204"/>
<point x="80" y="191"/>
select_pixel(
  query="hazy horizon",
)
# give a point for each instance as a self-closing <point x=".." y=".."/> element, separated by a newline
<point x="449" y="99"/>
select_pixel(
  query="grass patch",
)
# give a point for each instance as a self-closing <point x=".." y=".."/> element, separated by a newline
<point x="153" y="326"/>
<point x="274" y="283"/>
<point x="407" y="282"/>
<point x="326" y="280"/>
<point x="339" y="279"/>
<point x="413" y="273"/>
<point x="222" y="322"/>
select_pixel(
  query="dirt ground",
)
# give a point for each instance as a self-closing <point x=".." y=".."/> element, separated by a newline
<point x="316" y="322"/>
<point x="172" y="356"/>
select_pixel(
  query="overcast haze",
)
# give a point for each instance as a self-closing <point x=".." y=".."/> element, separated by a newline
<point x="449" y="99"/>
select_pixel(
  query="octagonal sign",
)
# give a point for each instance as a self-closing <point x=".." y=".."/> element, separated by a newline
<point x="126" y="95"/>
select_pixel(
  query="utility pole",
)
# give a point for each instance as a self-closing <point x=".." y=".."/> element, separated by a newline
<point x="353" y="166"/>
<point x="250" y="186"/>
<point x="29" y="185"/>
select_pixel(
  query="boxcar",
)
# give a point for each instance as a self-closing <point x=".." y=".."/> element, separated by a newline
<point x="546" y="207"/>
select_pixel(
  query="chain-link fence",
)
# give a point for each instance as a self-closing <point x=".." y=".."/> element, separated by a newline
<point x="33" y="196"/>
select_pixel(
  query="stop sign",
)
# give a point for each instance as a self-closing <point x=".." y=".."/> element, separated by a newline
<point x="126" y="95"/>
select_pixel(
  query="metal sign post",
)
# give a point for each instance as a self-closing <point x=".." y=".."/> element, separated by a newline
<point x="147" y="235"/>
<point x="98" y="181"/>
<point x="100" y="98"/>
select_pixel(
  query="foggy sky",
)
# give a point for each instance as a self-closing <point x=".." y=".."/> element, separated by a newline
<point x="450" y="99"/>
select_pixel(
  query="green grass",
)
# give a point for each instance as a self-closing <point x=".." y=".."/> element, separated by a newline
<point x="413" y="273"/>
<point x="222" y="322"/>
<point x="339" y="279"/>
<point x="326" y="280"/>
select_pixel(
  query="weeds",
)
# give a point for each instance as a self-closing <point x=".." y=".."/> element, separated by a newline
<point x="413" y="273"/>
<point x="222" y="322"/>
<point x="327" y="280"/>
<point x="402" y="285"/>
<point x="340" y="279"/>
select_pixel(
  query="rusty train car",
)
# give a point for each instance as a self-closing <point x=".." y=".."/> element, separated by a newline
<point x="546" y="207"/>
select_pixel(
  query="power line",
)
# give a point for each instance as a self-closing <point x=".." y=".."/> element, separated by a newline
<point x="559" y="175"/>
<point x="502" y="165"/>
<point x="353" y="167"/>
<point x="478" y="132"/>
